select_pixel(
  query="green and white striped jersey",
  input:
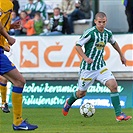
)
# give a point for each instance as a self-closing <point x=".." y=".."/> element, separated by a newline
<point x="29" y="7"/>
<point x="94" y="43"/>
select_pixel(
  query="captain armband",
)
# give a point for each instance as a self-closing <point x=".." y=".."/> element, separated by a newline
<point x="113" y="43"/>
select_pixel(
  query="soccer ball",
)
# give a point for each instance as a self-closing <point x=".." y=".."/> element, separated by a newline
<point x="87" y="110"/>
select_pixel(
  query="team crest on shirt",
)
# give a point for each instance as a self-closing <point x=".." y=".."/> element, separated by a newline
<point x="100" y="45"/>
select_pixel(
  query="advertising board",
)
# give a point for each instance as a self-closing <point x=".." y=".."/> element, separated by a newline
<point x="54" y="94"/>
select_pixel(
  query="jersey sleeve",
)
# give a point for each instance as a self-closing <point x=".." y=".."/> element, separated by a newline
<point x="112" y="41"/>
<point x="83" y="40"/>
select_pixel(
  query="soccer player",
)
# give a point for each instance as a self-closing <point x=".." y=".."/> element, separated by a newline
<point x="8" y="70"/>
<point x="3" y="84"/>
<point x="3" y="91"/>
<point x="93" y="66"/>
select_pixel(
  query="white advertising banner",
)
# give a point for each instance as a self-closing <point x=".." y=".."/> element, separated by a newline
<point x="57" y="54"/>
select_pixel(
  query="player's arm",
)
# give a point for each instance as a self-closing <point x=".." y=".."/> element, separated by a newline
<point x="81" y="53"/>
<point x="117" y="48"/>
<point x="3" y="32"/>
<point x="10" y="40"/>
<point x="82" y="41"/>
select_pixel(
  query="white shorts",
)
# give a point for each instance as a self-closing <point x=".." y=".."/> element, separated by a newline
<point x="87" y="77"/>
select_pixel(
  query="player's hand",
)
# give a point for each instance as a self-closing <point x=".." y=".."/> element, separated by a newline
<point x="6" y="48"/>
<point x="123" y="60"/>
<point x="89" y="60"/>
<point x="11" y="40"/>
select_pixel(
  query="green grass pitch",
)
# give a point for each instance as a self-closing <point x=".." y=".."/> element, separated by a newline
<point x="51" y="120"/>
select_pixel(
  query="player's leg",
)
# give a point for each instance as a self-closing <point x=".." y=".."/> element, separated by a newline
<point x="71" y="100"/>
<point x="9" y="71"/>
<point x="85" y="80"/>
<point x="112" y="85"/>
<point x="3" y="90"/>
<point x="106" y="77"/>
<point x="18" y="83"/>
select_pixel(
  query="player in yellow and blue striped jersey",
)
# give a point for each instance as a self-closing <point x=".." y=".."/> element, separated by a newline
<point x="8" y="69"/>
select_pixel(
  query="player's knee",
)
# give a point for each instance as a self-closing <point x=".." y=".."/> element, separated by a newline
<point x="20" y="83"/>
<point x="23" y="82"/>
<point x="113" y="87"/>
<point x="81" y="94"/>
<point x="3" y="80"/>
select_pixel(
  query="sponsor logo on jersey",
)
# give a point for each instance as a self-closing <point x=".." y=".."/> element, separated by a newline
<point x="100" y="45"/>
<point x="86" y="79"/>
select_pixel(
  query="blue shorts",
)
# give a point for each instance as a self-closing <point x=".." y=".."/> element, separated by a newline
<point x="5" y="64"/>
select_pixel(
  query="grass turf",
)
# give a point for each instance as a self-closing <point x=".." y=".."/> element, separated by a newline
<point x="51" y="120"/>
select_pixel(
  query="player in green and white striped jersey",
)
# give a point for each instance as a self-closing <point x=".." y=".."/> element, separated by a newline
<point x="93" y="66"/>
<point x="94" y="43"/>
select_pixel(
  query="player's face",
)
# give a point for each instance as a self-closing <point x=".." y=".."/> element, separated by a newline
<point x="100" y="23"/>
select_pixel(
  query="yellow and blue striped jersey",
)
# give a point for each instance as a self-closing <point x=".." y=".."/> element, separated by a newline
<point x="6" y="7"/>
